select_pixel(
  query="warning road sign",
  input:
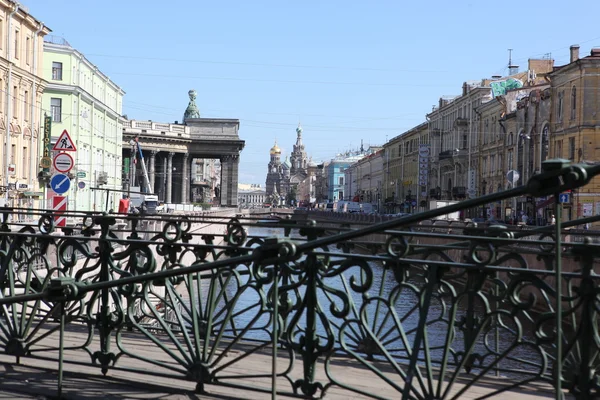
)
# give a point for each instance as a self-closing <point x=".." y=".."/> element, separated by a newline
<point x="64" y="143"/>
<point x="63" y="162"/>
<point x="59" y="205"/>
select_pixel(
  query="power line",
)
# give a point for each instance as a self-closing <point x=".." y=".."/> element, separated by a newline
<point x="264" y="64"/>
<point x="386" y="84"/>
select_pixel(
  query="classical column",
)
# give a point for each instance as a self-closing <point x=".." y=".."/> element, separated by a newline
<point x="185" y="180"/>
<point x="229" y="180"/>
<point x="170" y="176"/>
<point x="152" y="169"/>
<point x="225" y="167"/>
<point x="235" y="163"/>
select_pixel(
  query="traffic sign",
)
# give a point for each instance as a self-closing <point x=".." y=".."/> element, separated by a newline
<point x="563" y="198"/>
<point x="59" y="206"/>
<point x="81" y="185"/>
<point x="81" y="174"/>
<point x="414" y="203"/>
<point x="45" y="162"/>
<point x="63" y="162"/>
<point x="513" y="176"/>
<point x="60" y="183"/>
<point x="64" y="143"/>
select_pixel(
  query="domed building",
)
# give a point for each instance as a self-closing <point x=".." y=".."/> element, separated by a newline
<point x="278" y="174"/>
<point x="283" y="177"/>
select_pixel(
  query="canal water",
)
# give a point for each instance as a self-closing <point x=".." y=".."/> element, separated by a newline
<point x="388" y="311"/>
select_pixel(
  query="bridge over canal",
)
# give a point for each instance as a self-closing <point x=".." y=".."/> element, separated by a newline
<point x="252" y="307"/>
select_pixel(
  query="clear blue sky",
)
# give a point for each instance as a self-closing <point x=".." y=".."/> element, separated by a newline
<point x="348" y="70"/>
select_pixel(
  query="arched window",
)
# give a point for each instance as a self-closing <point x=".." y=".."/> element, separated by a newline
<point x="560" y="105"/>
<point x="573" y="102"/>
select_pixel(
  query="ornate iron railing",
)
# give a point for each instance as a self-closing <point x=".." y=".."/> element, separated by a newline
<point x="422" y="311"/>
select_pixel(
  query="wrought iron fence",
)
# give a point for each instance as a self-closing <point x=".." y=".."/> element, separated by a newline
<point x="423" y="311"/>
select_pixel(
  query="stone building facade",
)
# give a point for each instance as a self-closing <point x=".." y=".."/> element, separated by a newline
<point x="171" y="151"/>
<point x="251" y="196"/>
<point x="287" y="178"/>
<point x="89" y="106"/>
<point x="22" y="83"/>
<point x="401" y="162"/>
<point x="574" y="127"/>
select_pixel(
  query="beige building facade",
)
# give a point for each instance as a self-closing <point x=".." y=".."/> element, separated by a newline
<point x="21" y="79"/>
<point x="402" y="189"/>
<point x="575" y="125"/>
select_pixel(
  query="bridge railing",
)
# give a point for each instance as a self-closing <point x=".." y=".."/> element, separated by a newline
<point x="420" y="312"/>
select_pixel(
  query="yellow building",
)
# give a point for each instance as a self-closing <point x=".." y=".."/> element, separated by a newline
<point x="405" y="188"/>
<point x="575" y="125"/>
<point x="21" y="53"/>
<point x="491" y="143"/>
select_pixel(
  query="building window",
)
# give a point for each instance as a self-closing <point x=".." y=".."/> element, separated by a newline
<point x="13" y="153"/>
<point x="56" y="71"/>
<point x="559" y="111"/>
<point x="486" y="131"/>
<point x="509" y="164"/>
<point x="341" y="180"/>
<point x="25" y="163"/>
<point x="15" y="96"/>
<point x="573" y="102"/>
<point x="55" y="109"/>
<point x="572" y="148"/>
<point x="558" y="150"/>
<point x="26" y="106"/>
<point x="27" y="50"/>
<point x="17" y="44"/>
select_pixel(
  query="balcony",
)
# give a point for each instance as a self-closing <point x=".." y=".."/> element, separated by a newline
<point x="435" y="193"/>
<point x="445" y="154"/>
<point x="459" y="191"/>
<point x="461" y="122"/>
<point x="453" y="153"/>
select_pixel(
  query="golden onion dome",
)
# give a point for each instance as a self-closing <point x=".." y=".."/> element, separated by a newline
<point x="275" y="149"/>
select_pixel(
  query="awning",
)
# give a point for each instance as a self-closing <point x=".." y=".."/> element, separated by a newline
<point x="544" y="203"/>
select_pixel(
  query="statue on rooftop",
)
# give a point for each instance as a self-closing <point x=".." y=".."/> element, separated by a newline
<point x="192" y="110"/>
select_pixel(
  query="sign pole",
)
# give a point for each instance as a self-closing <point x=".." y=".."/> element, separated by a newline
<point x="46" y="161"/>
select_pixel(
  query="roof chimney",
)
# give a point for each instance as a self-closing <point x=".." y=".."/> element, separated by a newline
<point x="464" y="88"/>
<point x="574" y="52"/>
<point x="595" y="52"/>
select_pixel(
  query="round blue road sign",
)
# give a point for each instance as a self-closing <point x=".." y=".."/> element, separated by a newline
<point x="60" y="183"/>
